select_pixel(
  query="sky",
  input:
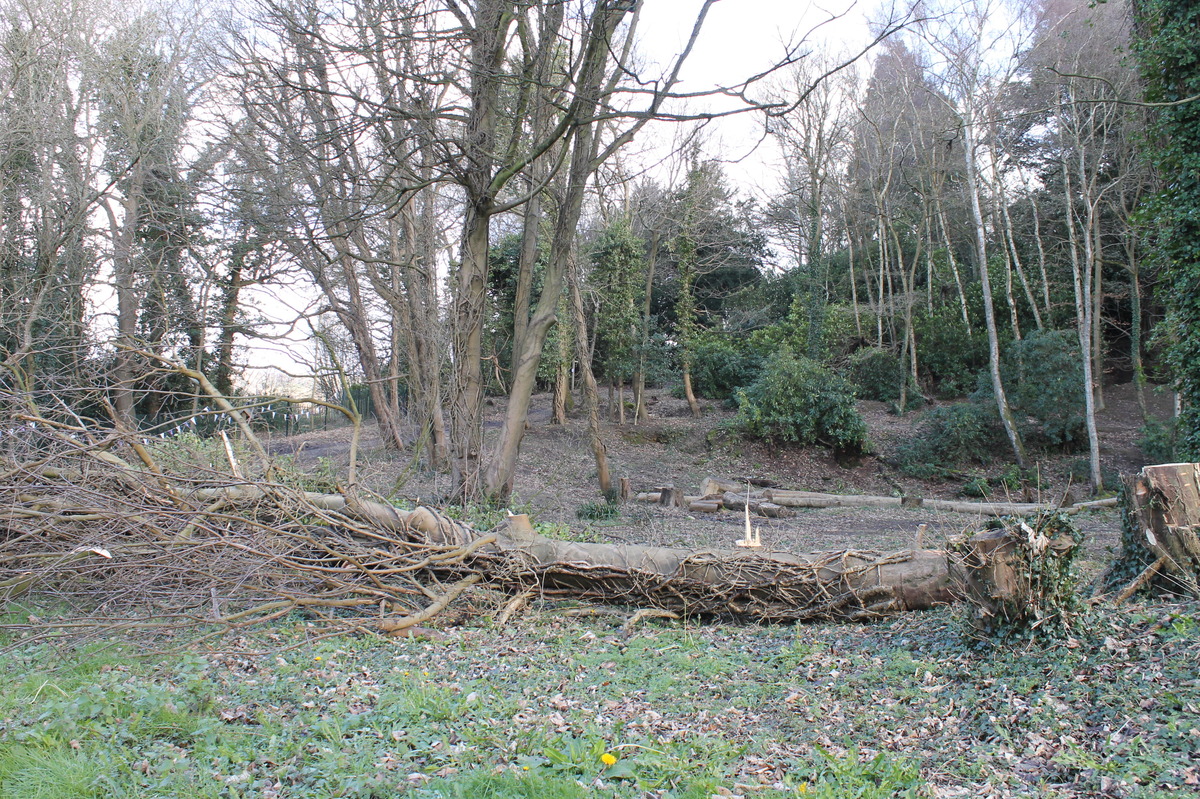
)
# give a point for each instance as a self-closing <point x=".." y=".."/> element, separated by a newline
<point x="739" y="39"/>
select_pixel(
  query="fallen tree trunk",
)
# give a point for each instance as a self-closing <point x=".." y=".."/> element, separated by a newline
<point x="767" y="586"/>
<point x="764" y="586"/>
<point x="734" y="496"/>
<point x="812" y="499"/>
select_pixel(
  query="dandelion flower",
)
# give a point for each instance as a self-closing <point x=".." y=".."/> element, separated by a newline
<point x="608" y="758"/>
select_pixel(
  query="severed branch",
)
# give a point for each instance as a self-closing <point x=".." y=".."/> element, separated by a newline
<point x="394" y="626"/>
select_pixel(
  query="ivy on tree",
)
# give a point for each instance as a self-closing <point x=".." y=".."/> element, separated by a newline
<point x="1165" y="42"/>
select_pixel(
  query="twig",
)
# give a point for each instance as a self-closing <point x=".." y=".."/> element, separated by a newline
<point x="647" y="613"/>
<point x="1138" y="582"/>
<point x="393" y="626"/>
<point x="513" y="606"/>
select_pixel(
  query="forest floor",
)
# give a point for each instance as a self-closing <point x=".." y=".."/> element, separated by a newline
<point x="557" y="476"/>
<point x="567" y="701"/>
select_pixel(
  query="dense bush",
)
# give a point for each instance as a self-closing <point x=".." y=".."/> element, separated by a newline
<point x="1158" y="441"/>
<point x="1043" y="378"/>
<point x="950" y="354"/>
<point x="951" y="435"/>
<point x="878" y="374"/>
<point x="836" y="323"/>
<point x="797" y="399"/>
<point x="721" y="364"/>
<point x="1165" y="45"/>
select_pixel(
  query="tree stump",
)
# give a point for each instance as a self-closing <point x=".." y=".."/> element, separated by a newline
<point x="1162" y="518"/>
<point x="670" y="497"/>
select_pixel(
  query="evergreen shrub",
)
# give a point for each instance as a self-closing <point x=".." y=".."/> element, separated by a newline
<point x="951" y="355"/>
<point x="948" y="436"/>
<point x="836" y="332"/>
<point x="1157" y="441"/>
<point x="722" y="364"/>
<point x="1043" y="378"/>
<point x="878" y="374"/>
<point x="796" y="399"/>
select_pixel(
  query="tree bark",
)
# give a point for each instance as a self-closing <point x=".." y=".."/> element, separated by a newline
<point x="123" y="233"/>
<point x="640" y="413"/>
<point x="1164" y="513"/>
<point x="591" y="392"/>
<point x="989" y="311"/>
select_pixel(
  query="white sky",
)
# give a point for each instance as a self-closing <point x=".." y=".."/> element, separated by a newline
<point x="741" y="38"/>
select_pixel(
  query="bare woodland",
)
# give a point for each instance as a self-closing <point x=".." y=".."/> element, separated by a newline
<point x="436" y="202"/>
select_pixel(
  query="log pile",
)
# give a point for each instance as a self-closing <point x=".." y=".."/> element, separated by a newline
<point x="716" y="494"/>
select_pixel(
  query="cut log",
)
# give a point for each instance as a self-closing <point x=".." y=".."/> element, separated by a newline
<point x="704" y="506"/>
<point x="810" y="499"/>
<point x="651" y="497"/>
<point x="757" y="503"/>
<point x="626" y="489"/>
<point x="670" y="497"/>
<point x="771" y="510"/>
<point x="738" y="501"/>
<point x="1018" y="576"/>
<point x="984" y="508"/>
<point x="714" y="485"/>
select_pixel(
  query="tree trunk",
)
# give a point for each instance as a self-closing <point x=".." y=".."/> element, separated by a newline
<point x="123" y="233"/>
<point x="1081" y="277"/>
<point x="591" y="393"/>
<point x="640" y="413"/>
<point x="962" y="294"/>
<point x="227" y="322"/>
<point x="1161" y="522"/>
<point x="989" y="311"/>
<point x="527" y="351"/>
<point x="1016" y="260"/>
<point x="693" y="404"/>
<point x="466" y="397"/>
<point x="764" y="586"/>
<point x="853" y="284"/>
<point x="562" y="373"/>
<point x="354" y="314"/>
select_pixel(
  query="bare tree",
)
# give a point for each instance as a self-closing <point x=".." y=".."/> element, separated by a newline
<point x="977" y="46"/>
<point x="1090" y="89"/>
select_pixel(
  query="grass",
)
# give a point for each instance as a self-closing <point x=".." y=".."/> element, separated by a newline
<point x="557" y="708"/>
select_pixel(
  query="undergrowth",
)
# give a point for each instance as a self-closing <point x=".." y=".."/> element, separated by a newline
<point x="553" y="707"/>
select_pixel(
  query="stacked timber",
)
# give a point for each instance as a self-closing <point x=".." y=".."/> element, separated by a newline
<point x="718" y="494"/>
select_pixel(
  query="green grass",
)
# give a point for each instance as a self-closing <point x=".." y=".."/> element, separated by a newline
<point x="554" y="708"/>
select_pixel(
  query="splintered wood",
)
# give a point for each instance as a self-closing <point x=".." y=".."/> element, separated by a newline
<point x="1165" y="506"/>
